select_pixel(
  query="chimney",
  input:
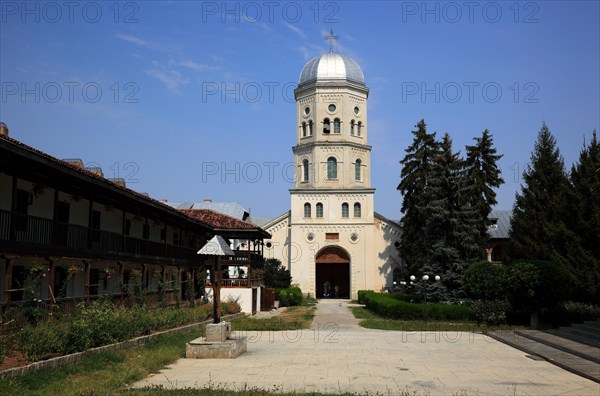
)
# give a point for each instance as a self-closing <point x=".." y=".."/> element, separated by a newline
<point x="76" y="162"/>
<point x="3" y="129"/>
<point x="119" y="182"/>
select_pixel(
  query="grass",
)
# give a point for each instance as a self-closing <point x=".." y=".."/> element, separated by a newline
<point x="294" y="318"/>
<point x="371" y="320"/>
<point x="104" y="373"/>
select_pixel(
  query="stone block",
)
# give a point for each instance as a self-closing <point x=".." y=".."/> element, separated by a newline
<point x="200" y="348"/>
<point x="218" y="332"/>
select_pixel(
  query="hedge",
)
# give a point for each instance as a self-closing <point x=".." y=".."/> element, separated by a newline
<point x="387" y="306"/>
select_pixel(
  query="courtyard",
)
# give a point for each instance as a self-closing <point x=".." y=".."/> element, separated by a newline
<point x="336" y="355"/>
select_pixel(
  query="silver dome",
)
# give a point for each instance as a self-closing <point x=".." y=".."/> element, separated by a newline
<point x="331" y="67"/>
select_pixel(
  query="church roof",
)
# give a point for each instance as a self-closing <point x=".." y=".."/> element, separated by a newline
<point x="500" y="227"/>
<point x="331" y="67"/>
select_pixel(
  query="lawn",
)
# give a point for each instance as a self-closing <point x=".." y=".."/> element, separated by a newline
<point x="293" y="318"/>
<point x="371" y="320"/>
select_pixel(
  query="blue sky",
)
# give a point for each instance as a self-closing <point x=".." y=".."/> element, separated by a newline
<point x="194" y="100"/>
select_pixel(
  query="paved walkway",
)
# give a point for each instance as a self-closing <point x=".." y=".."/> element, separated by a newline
<point x="336" y="355"/>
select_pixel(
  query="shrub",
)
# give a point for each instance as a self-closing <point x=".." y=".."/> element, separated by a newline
<point x="276" y="275"/>
<point x="490" y="312"/>
<point x="389" y="307"/>
<point x="485" y="281"/>
<point x="288" y="297"/>
<point x="571" y="312"/>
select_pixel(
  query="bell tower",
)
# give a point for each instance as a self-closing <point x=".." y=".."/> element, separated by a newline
<point x="332" y="157"/>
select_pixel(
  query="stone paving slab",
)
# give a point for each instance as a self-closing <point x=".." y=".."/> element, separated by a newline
<point x="348" y="358"/>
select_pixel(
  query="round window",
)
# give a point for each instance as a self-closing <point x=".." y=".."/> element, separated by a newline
<point x="354" y="237"/>
<point x="306" y="110"/>
<point x="269" y="244"/>
<point x="331" y="108"/>
<point x="356" y="110"/>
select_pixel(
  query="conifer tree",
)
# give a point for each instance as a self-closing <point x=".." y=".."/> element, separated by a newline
<point x="451" y="231"/>
<point x="538" y="229"/>
<point x="417" y="167"/>
<point x="584" y="220"/>
<point x="484" y="175"/>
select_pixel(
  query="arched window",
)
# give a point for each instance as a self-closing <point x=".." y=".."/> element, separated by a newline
<point x="357" y="210"/>
<point x="303" y="129"/>
<point x="319" y="209"/>
<point x="352" y="127"/>
<point x="310" y="127"/>
<point x="331" y="168"/>
<point x="357" y="165"/>
<point x="326" y="126"/>
<point x="307" y="210"/>
<point x="305" y="170"/>
<point x="336" y="126"/>
<point x="359" y="127"/>
<point x="345" y="210"/>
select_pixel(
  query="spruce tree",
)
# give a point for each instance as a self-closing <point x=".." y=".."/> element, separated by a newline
<point x="484" y="175"/>
<point x="451" y="232"/>
<point x="584" y="220"/>
<point x="417" y="167"/>
<point x="537" y="226"/>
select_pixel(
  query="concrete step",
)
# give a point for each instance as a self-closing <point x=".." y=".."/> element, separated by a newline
<point x="575" y="335"/>
<point x="584" y="331"/>
<point x="573" y="363"/>
<point x="593" y="323"/>
<point x="563" y="344"/>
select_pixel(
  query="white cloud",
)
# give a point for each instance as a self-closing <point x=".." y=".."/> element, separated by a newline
<point x="133" y="39"/>
<point x="172" y="78"/>
<point x="198" y="67"/>
<point x="295" y="29"/>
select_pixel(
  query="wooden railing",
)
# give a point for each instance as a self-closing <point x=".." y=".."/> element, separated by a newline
<point x="242" y="283"/>
<point x="33" y="233"/>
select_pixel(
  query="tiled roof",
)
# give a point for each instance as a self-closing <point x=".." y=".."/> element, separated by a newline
<point x="218" y="220"/>
<point x="502" y="228"/>
<point x="233" y="209"/>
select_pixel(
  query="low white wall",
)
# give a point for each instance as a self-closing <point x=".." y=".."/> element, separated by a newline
<point x="241" y="294"/>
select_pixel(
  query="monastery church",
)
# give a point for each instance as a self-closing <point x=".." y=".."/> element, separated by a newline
<point x="332" y="238"/>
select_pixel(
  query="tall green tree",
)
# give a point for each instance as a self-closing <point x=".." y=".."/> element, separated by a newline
<point x="417" y="166"/>
<point x="450" y="232"/>
<point x="481" y="164"/>
<point x="584" y="220"/>
<point x="538" y="230"/>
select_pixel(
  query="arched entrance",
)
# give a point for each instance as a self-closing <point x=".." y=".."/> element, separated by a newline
<point x="332" y="265"/>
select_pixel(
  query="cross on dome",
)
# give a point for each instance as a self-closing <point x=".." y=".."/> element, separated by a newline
<point x="332" y="38"/>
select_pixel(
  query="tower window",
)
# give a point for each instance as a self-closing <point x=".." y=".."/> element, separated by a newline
<point x="356" y="209"/>
<point x="357" y="165"/>
<point x="345" y="210"/>
<point x="352" y="124"/>
<point x="336" y="126"/>
<point x="310" y="127"/>
<point x="326" y="125"/>
<point x="331" y="168"/>
<point x="307" y="210"/>
<point x="319" y="209"/>
<point x="304" y="129"/>
<point x="359" y="127"/>
<point x="305" y="170"/>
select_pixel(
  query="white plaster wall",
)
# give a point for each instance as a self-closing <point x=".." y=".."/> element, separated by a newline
<point x="242" y="295"/>
<point x="43" y="203"/>
<point x="79" y="212"/>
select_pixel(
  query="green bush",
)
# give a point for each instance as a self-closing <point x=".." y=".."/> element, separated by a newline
<point x="485" y="281"/>
<point x="100" y="323"/>
<point x="571" y="312"/>
<point x="490" y="312"/>
<point x="389" y="307"/>
<point x="289" y="297"/>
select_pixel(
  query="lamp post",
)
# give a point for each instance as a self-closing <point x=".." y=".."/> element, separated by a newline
<point x="424" y="278"/>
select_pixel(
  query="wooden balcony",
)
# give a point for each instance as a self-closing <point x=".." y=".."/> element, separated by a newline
<point x="23" y="234"/>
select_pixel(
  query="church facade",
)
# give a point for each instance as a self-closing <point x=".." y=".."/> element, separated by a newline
<point x="332" y="240"/>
